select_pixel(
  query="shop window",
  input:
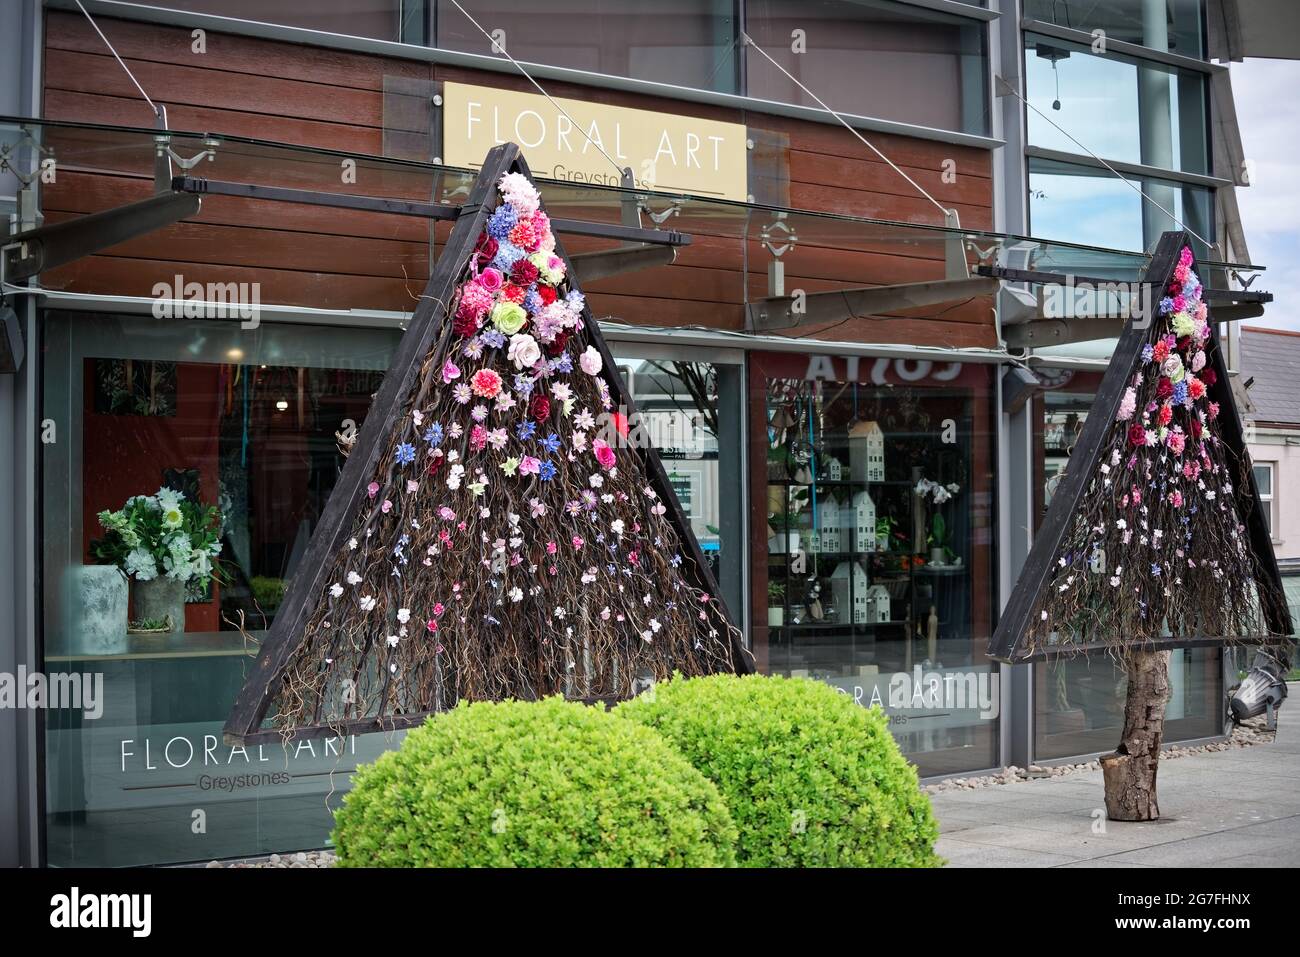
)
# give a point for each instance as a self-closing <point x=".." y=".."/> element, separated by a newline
<point x="1124" y="110"/>
<point x="393" y="20"/>
<point x="686" y="43"/>
<point x="1179" y="29"/>
<point x="1083" y="204"/>
<point x="248" y="422"/>
<point x="1079" y="702"/>
<point x="872" y="58"/>
<point x="1264" y="475"/>
<point x="873" y="517"/>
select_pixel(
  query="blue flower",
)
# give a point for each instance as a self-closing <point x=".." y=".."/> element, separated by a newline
<point x="507" y="254"/>
<point x="563" y="363"/>
<point x="1167" y="305"/>
<point x="1180" y="392"/>
<point x="433" y="434"/>
<point x="1155" y="570"/>
<point x="526" y="429"/>
<point x="523" y="384"/>
<point x="1147" y="353"/>
<point x="406" y="453"/>
<point x="546" y="471"/>
<point x="494" y="338"/>
<point x="502" y="220"/>
<point x="551" y="443"/>
<point x="532" y="301"/>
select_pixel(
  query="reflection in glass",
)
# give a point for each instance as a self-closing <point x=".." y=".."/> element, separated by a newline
<point x="1171" y="26"/>
<point x="877" y="500"/>
<point x="1092" y="206"/>
<point x="872" y="58"/>
<point x="1123" y="110"/>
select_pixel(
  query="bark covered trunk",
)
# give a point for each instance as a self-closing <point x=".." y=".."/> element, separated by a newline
<point x="1130" y="772"/>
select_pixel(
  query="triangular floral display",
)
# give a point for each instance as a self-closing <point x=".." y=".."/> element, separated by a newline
<point x="1160" y="542"/>
<point x="513" y="539"/>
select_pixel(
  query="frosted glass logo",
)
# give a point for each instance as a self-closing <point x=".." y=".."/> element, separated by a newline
<point x="912" y="694"/>
<point x="57" y="690"/>
<point x="1093" y="300"/>
<point x="75" y="910"/>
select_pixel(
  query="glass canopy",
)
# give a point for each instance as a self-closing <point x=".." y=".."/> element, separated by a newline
<point x="316" y="257"/>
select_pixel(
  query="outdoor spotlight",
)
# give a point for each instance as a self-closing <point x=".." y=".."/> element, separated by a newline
<point x="1264" y="689"/>
<point x="1018" y="387"/>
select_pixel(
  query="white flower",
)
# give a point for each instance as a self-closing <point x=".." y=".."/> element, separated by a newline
<point x="392" y="641"/>
<point x="336" y="589"/>
<point x="368" y="602"/>
<point x="169" y="499"/>
<point x="141" y="566"/>
<point x="352" y="543"/>
<point x="524" y="351"/>
<point x="616" y="526"/>
<point x="516" y="594"/>
<point x="403" y="615"/>
<point x="354" y="578"/>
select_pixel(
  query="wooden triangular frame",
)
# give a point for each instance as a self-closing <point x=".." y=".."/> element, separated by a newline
<point x="1008" y="641"/>
<point x="244" y="724"/>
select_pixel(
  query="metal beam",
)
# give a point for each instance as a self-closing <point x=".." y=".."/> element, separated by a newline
<point x="33" y="252"/>
<point x="1059" y="332"/>
<point x="402" y="207"/>
<point x="613" y="262"/>
<point x="784" y="312"/>
<point x="12" y="348"/>
<point x="1062" y="279"/>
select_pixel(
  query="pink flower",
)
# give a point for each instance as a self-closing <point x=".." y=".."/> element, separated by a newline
<point x="604" y="454"/>
<point x="1176" y="499"/>
<point x="386" y="507"/>
<point x="450" y="371"/>
<point x="431" y="625"/>
<point x="1127" y="406"/>
<point x="551" y="548"/>
<point x="491" y="279"/>
<point x="590" y="361"/>
<point x="478" y="438"/>
<point x="577" y="541"/>
<point x="372" y="489"/>
<point x="530" y="465"/>
<point x="486" y="384"/>
<point x="1175" y="440"/>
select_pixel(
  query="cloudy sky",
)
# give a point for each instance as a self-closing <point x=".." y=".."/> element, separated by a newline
<point x="1268" y="112"/>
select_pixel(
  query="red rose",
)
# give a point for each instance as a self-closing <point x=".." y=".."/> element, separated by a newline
<point x="547" y="294"/>
<point x="540" y="408"/>
<point x="486" y="249"/>
<point x="464" y="326"/>
<point x="523" y="273"/>
<point x="1137" y="436"/>
<point x="1209" y="376"/>
<point x="556" y="345"/>
<point x="1164" y="388"/>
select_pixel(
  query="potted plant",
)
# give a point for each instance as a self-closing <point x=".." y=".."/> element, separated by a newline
<point x="775" y="604"/>
<point x="162" y="542"/>
<point x="938" y="494"/>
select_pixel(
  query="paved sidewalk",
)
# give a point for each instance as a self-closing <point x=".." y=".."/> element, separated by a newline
<point x="1233" y="808"/>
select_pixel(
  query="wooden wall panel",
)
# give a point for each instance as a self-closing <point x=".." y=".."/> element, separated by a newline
<point x="328" y="99"/>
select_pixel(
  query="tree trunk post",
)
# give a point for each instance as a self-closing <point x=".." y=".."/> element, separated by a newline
<point x="1130" y="772"/>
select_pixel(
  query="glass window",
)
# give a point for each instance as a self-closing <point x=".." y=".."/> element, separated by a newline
<point x="399" y="21"/>
<point x="686" y="43"/>
<point x="1079" y="702"/>
<point x="691" y="412"/>
<point x="1123" y="110"/>
<point x="245" y="420"/>
<point x="872" y="58"/>
<point x="1178" y="25"/>
<point x="875" y="498"/>
<point x="1083" y="204"/>
<point x="1264" y="472"/>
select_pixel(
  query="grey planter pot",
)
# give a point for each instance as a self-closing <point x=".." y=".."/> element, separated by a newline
<point x="95" y="602"/>
<point x="160" y="598"/>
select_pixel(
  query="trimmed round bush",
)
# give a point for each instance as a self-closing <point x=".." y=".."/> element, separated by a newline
<point x="533" y="784"/>
<point x="812" y="778"/>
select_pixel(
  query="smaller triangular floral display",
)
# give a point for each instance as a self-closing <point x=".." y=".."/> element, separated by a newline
<point x="502" y="528"/>
<point x="1155" y="538"/>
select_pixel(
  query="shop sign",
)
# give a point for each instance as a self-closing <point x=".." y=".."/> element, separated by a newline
<point x="666" y="151"/>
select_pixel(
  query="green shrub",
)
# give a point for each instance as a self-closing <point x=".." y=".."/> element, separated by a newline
<point x="812" y="778"/>
<point x="533" y="784"/>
